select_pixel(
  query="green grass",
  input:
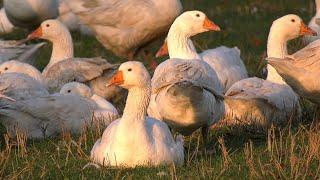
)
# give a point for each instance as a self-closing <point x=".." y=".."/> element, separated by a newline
<point x="238" y="152"/>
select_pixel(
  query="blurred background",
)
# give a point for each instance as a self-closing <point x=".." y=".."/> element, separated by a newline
<point x="244" y="23"/>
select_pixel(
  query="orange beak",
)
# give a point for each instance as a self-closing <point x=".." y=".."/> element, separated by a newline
<point x="305" y="30"/>
<point x="35" y="34"/>
<point x="209" y="25"/>
<point x="163" y="51"/>
<point x="117" y="79"/>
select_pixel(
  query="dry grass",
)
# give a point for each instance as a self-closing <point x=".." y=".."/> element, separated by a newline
<point x="287" y="153"/>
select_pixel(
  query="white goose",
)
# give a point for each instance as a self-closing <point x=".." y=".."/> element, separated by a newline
<point x="106" y="109"/>
<point x="272" y="100"/>
<point x="186" y="93"/>
<point x="20" y="67"/>
<point x="18" y="87"/>
<point x="136" y="140"/>
<point x="64" y="68"/>
<point x="46" y="116"/>
<point x="301" y="71"/>
<point x="314" y="24"/>
<point x="225" y="61"/>
<point x="124" y="26"/>
<point x="30" y="13"/>
<point x="66" y="16"/>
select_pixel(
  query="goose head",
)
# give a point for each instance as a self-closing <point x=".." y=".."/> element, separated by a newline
<point x="188" y="24"/>
<point x="76" y="88"/>
<point x="13" y="67"/>
<point x="194" y="22"/>
<point x="290" y="27"/>
<point x="57" y="33"/>
<point x="50" y="30"/>
<point x="131" y="74"/>
<point x="282" y="30"/>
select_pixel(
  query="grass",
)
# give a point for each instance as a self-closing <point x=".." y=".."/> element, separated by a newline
<point x="292" y="152"/>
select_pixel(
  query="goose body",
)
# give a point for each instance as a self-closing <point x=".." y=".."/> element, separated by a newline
<point x="76" y="69"/>
<point x="136" y="140"/>
<point x="123" y="26"/>
<point x="314" y="24"/>
<point x="46" y="116"/>
<point x="20" y="86"/>
<point x="13" y="50"/>
<point x="105" y="109"/>
<point x="67" y="17"/>
<point x="301" y="71"/>
<point x="261" y="102"/>
<point x="269" y="101"/>
<point x="226" y="62"/>
<point x="30" y="14"/>
<point x="186" y="93"/>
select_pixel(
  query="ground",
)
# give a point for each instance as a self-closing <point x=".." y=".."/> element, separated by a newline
<point x="289" y="152"/>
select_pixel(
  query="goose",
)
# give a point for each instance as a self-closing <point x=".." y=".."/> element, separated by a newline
<point x="65" y="16"/>
<point x="63" y="67"/>
<point x="186" y="93"/>
<point x="301" y="71"/>
<point x="125" y="26"/>
<point x="48" y="116"/>
<point x="106" y="109"/>
<point x="18" y="87"/>
<point x="225" y="61"/>
<point x="269" y="101"/>
<point x="15" y="50"/>
<point x="14" y="66"/>
<point x="314" y="24"/>
<point x="5" y="25"/>
<point x="135" y="139"/>
<point x="30" y="13"/>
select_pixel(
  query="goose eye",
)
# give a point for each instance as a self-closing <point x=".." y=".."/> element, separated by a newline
<point x="129" y="69"/>
<point x="198" y="15"/>
<point x="48" y="25"/>
<point x="293" y="20"/>
<point x="5" y="68"/>
<point x="69" y="91"/>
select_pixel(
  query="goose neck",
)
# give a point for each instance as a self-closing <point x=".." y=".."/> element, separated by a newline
<point x="62" y="48"/>
<point x="318" y="6"/>
<point x="5" y="25"/>
<point x="180" y="45"/>
<point x="277" y="48"/>
<point x="137" y="103"/>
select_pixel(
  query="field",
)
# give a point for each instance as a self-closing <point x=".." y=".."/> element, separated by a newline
<point x="290" y="152"/>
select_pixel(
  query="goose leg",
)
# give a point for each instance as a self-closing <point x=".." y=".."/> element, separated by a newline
<point x="317" y="118"/>
<point x="204" y="133"/>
